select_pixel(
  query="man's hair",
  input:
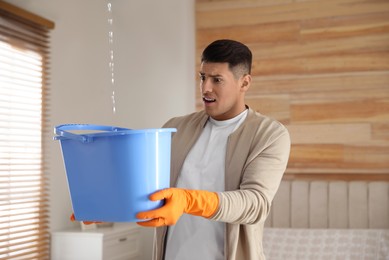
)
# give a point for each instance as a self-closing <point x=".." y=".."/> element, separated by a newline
<point x="236" y="54"/>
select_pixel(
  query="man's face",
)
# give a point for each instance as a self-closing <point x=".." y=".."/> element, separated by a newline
<point x="222" y="92"/>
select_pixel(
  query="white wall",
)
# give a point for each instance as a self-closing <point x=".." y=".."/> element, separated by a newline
<point x="154" y="73"/>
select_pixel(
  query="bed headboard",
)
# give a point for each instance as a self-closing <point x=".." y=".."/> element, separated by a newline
<point x="330" y="204"/>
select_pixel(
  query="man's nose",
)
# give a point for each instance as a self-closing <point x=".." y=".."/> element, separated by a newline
<point x="206" y="86"/>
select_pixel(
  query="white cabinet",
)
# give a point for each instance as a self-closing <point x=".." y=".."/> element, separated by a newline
<point x="120" y="242"/>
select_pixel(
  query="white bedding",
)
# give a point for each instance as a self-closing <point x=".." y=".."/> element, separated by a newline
<point x="342" y="244"/>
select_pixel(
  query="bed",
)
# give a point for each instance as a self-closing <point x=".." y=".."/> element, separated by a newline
<point x="328" y="220"/>
<point x="326" y="244"/>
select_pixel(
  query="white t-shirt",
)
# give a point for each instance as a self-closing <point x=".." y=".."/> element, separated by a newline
<point x="196" y="237"/>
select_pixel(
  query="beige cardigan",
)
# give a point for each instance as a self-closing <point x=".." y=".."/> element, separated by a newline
<point x="256" y="158"/>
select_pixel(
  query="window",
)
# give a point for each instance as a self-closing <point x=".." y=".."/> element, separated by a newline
<point x="23" y="72"/>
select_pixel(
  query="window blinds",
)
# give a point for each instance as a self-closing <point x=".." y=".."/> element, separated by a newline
<point x="24" y="54"/>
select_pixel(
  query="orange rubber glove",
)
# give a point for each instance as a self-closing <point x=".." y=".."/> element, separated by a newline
<point x="179" y="201"/>
<point x="73" y="218"/>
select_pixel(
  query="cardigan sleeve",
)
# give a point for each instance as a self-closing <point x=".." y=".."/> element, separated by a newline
<point x="261" y="176"/>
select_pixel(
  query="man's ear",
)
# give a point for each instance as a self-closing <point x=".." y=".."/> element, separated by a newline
<point x="246" y="82"/>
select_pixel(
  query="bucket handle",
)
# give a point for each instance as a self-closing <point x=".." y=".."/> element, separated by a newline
<point x="62" y="131"/>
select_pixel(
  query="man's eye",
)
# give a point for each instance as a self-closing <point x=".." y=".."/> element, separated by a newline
<point x="202" y="77"/>
<point x="217" y="80"/>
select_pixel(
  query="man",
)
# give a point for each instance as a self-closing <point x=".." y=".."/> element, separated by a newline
<point x="227" y="164"/>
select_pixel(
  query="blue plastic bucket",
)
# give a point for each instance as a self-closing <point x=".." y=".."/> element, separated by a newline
<point x="111" y="173"/>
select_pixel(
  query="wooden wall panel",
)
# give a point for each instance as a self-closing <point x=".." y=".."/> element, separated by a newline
<point x="321" y="67"/>
<point x="228" y="13"/>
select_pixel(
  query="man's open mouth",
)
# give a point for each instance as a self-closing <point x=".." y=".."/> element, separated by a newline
<point x="208" y="100"/>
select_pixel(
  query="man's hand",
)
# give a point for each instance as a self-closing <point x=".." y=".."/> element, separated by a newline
<point x="179" y="201"/>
